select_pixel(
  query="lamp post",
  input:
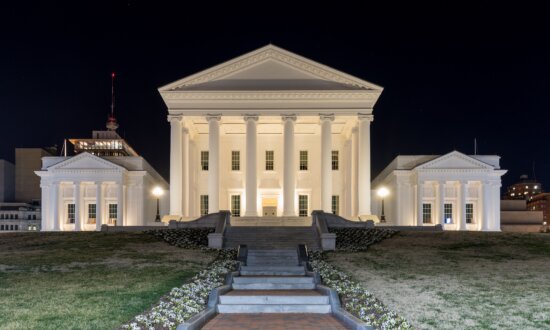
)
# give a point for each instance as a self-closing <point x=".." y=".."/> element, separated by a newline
<point x="157" y="192"/>
<point x="383" y="192"/>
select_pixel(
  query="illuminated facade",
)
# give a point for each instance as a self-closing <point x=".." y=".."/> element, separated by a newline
<point x="524" y="189"/>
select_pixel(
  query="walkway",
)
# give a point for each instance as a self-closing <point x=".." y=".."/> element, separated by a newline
<point x="274" y="322"/>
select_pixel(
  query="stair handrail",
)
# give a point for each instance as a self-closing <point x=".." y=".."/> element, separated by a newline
<point x="242" y="253"/>
<point x="303" y="255"/>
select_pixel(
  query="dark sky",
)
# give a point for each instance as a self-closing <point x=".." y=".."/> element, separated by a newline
<point x="451" y="73"/>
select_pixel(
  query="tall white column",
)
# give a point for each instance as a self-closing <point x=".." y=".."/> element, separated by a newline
<point x="289" y="171"/>
<point x="363" y="174"/>
<point x="251" y="166"/>
<point x="419" y="202"/>
<point x="494" y="225"/>
<point x="441" y="201"/>
<point x="354" y="168"/>
<point x="120" y="204"/>
<point x="326" y="162"/>
<point x="185" y="170"/>
<point x="98" y="206"/>
<point x="55" y="206"/>
<point x="213" y="163"/>
<point x="77" y="206"/>
<point x="176" y="179"/>
<point x="462" y="204"/>
<point x="485" y="205"/>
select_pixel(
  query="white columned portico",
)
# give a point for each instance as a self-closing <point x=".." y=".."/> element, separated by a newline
<point x="213" y="163"/>
<point x="120" y="204"/>
<point x="176" y="180"/>
<point x="185" y="170"/>
<point x="77" y="206"/>
<point x="462" y="185"/>
<point x="251" y="175"/>
<point x="99" y="206"/>
<point x="419" y="203"/>
<point x="363" y="174"/>
<point x="289" y="170"/>
<point x="485" y="202"/>
<point x="326" y="162"/>
<point x="441" y="201"/>
<point x="55" y="205"/>
<point x="354" y="168"/>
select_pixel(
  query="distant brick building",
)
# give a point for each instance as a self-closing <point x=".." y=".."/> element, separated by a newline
<point x="524" y="189"/>
<point x="540" y="202"/>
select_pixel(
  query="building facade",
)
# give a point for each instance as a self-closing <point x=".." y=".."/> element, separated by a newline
<point x="7" y="181"/>
<point x="27" y="184"/>
<point x="540" y="202"/>
<point x="19" y="217"/>
<point x="270" y="133"/>
<point x="524" y="189"/>
<point x="457" y="191"/>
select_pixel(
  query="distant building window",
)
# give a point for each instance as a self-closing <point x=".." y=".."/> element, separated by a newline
<point x="426" y="213"/>
<point x="204" y="160"/>
<point x="448" y="212"/>
<point x="16" y="227"/>
<point x="70" y="213"/>
<point x="11" y="216"/>
<point x="235" y="160"/>
<point x="28" y="217"/>
<point x="335" y="160"/>
<point x="34" y="216"/>
<point x="1" y="227"/>
<point x="11" y="227"/>
<point x="91" y="213"/>
<point x="269" y="160"/>
<point x="204" y="204"/>
<point x="335" y="204"/>
<point x="1" y="216"/>
<point x="302" y="205"/>
<point x="113" y="213"/>
<point x="469" y="213"/>
<point x="236" y="205"/>
<point x="17" y="216"/>
<point x="303" y="160"/>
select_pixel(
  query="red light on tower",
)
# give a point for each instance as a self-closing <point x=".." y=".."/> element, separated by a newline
<point x="112" y="75"/>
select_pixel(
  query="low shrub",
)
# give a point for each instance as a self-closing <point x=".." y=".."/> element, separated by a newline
<point x="359" y="239"/>
<point x="187" y="238"/>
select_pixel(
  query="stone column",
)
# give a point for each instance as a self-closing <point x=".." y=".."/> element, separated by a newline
<point x="441" y="201"/>
<point x="326" y="162"/>
<point x="120" y="204"/>
<point x="462" y="204"/>
<point x="354" y="167"/>
<point x="55" y="206"/>
<point x="419" y="202"/>
<point x="213" y="163"/>
<point x="363" y="174"/>
<point x="485" y="205"/>
<point x="176" y="179"/>
<point x="251" y="166"/>
<point x="495" y="207"/>
<point x="289" y="171"/>
<point x="77" y="206"/>
<point x="185" y="170"/>
<point x="98" y="206"/>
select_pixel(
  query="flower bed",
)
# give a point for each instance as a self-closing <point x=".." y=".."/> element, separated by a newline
<point x="187" y="238"/>
<point x="359" y="239"/>
<point x="355" y="299"/>
<point x="189" y="299"/>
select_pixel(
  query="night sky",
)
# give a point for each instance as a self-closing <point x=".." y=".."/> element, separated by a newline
<point x="451" y="73"/>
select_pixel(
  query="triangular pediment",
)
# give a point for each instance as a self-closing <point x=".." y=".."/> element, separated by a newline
<point x="455" y="160"/>
<point x="85" y="161"/>
<point x="270" y="68"/>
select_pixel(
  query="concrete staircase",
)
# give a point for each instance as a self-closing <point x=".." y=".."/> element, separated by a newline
<point x="271" y="238"/>
<point x="272" y="282"/>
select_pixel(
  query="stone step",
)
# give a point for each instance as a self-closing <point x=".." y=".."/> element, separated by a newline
<point x="274" y="300"/>
<point x="273" y="286"/>
<point x="276" y="308"/>
<point x="272" y="270"/>
<point x="272" y="280"/>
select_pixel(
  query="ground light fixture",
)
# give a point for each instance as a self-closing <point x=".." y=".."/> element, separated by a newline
<point x="158" y="192"/>
<point x="382" y="193"/>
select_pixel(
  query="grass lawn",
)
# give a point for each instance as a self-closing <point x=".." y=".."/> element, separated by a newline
<point x="87" y="280"/>
<point x="459" y="280"/>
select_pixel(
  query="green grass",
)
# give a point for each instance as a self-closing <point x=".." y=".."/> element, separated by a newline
<point x="87" y="280"/>
<point x="459" y="280"/>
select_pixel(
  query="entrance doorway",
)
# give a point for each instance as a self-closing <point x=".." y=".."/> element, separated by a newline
<point x="269" y="207"/>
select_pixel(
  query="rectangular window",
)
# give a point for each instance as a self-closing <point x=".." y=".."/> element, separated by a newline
<point x="303" y="160"/>
<point x="91" y="213"/>
<point x="448" y="212"/>
<point x="236" y="205"/>
<point x="235" y="160"/>
<point x="302" y="206"/>
<point x="335" y="160"/>
<point x="113" y="211"/>
<point x="269" y="160"/>
<point x="335" y="204"/>
<point x="16" y="227"/>
<point x="70" y="213"/>
<point x="469" y="213"/>
<point x="204" y="160"/>
<point x="204" y="205"/>
<point x="426" y="213"/>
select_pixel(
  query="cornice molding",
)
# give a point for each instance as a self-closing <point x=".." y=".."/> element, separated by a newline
<point x="265" y="95"/>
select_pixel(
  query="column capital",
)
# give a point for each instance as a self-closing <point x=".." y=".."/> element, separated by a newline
<point x="286" y="117"/>
<point x="175" y="118"/>
<point x="185" y="130"/>
<point x="365" y="116"/>
<point x="354" y="130"/>
<point x="213" y="116"/>
<point x="248" y="117"/>
<point x="326" y="116"/>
